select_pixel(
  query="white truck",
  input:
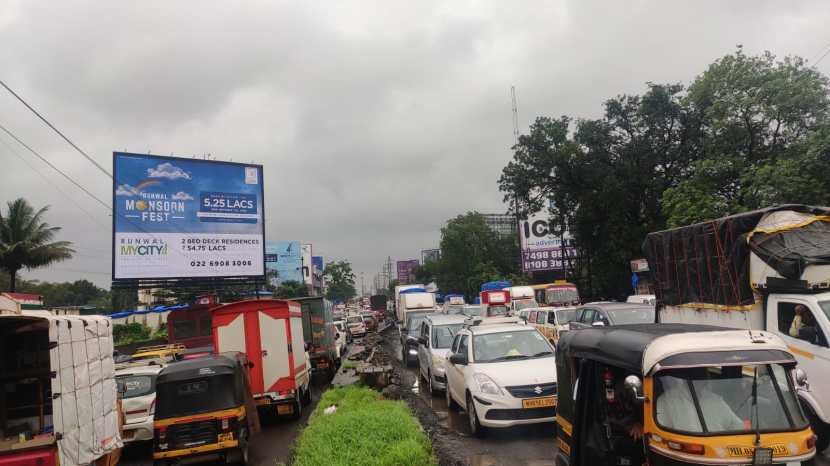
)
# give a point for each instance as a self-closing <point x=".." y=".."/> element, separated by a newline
<point x="398" y="290"/>
<point x="762" y="270"/>
<point x="415" y="301"/>
<point x="522" y="297"/>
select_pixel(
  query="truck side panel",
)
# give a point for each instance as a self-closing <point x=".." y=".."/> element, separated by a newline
<point x="753" y="319"/>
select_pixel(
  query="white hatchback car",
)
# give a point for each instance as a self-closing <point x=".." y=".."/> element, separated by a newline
<point x="434" y="340"/>
<point x="137" y="390"/>
<point x="503" y="375"/>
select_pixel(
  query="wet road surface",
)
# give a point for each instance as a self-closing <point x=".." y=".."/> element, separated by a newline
<point x="532" y="445"/>
<point x="270" y="447"/>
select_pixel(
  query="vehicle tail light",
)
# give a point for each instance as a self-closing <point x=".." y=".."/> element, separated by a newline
<point x="152" y="410"/>
<point x="811" y="442"/>
<point x="691" y="448"/>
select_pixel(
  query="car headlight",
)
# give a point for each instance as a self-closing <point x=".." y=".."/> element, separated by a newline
<point x="486" y="384"/>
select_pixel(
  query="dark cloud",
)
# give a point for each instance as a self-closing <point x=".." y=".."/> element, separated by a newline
<point x="376" y="121"/>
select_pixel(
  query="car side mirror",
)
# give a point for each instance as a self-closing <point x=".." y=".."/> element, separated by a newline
<point x="598" y="323"/>
<point x="801" y="378"/>
<point x="422" y="340"/>
<point x="635" y="385"/>
<point x="458" y="359"/>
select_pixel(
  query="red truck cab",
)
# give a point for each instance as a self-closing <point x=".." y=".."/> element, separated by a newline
<point x="496" y="303"/>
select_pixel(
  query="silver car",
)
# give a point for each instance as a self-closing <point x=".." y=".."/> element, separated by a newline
<point x="434" y="340"/>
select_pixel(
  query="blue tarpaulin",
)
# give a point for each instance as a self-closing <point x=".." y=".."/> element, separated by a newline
<point x="499" y="285"/>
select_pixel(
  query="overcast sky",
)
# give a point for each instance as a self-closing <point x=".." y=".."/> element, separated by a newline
<point x="375" y="121"/>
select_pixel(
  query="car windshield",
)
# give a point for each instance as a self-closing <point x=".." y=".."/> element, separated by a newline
<point x="472" y="311"/>
<point x="442" y="335"/>
<point x="504" y="346"/>
<point x="194" y="396"/>
<point x="354" y="319"/>
<point x="524" y="304"/>
<point x="825" y="306"/>
<point x="564" y="316"/>
<point x="636" y="315"/>
<point x="413" y="325"/>
<point x="717" y="400"/>
<point x="560" y="296"/>
<point x="495" y="310"/>
<point x="131" y="386"/>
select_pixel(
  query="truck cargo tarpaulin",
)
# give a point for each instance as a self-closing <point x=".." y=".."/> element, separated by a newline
<point x="709" y="262"/>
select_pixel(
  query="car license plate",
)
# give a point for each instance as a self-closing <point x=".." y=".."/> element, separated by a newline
<point x="285" y="409"/>
<point x="226" y="436"/>
<point x="544" y="402"/>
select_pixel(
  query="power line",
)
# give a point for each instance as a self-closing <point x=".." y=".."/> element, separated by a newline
<point x="47" y="162"/>
<point x="53" y="185"/>
<point x="49" y="124"/>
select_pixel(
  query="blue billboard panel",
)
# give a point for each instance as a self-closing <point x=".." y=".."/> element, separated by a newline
<point x="186" y="218"/>
<point x="284" y="258"/>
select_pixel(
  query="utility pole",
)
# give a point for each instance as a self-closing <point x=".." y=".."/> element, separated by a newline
<point x="516" y="195"/>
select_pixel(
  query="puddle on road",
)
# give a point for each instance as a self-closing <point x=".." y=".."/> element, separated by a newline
<point x="492" y="460"/>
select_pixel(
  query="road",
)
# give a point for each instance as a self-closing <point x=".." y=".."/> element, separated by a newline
<point x="272" y="446"/>
<point x="522" y="446"/>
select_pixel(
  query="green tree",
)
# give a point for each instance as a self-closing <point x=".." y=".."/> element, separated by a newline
<point x="471" y="254"/>
<point x="291" y="289"/>
<point x="26" y="241"/>
<point x="340" y="281"/>
<point x="762" y="131"/>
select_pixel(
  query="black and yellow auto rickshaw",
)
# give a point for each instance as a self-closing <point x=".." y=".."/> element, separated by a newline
<point x="204" y="407"/>
<point x="674" y="394"/>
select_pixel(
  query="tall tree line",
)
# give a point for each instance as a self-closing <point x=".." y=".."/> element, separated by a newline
<point x="749" y="132"/>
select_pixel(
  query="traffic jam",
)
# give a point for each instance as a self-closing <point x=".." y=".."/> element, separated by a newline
<point x="724" y="364"/>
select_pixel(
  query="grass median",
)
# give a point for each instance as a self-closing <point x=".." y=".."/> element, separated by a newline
<point x="365" y="430"/>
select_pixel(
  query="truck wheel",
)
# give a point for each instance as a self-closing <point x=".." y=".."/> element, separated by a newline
<point x="239" y="455"/>
<point x="307" y="396"/>
<point x="298" y="407"/>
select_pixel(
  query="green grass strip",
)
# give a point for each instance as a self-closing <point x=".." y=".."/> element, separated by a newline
<point x="365" y="430"/>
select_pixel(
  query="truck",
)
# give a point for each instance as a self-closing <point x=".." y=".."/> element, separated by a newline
<point x="398" y="290"/>
<point x="415" y="300"/>
<point x="521" y="297"/>
<point x="495" y="303"/>
<point x="270" y="333"/>
<point x="59" y="397"/>
<point x="318" y="332"/>
<point x="764" y="270"/>
<point x="378" y="305"/>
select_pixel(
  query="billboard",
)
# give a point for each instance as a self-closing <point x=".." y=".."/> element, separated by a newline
<point x="430" y="255"/>
<point x="317" y="270"/>
<point x="284" y="258"/>
<point x="308" y="279"/>
<point x="405" y="275"/>
<point x="186" y="218"/>
<point x="542" y="248"/>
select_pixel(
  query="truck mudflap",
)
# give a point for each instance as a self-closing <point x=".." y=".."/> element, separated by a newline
<point x="35" y="457"/>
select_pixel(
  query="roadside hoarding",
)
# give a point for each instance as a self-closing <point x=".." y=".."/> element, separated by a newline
<point x="306" y="256"/>
<point x="542" y="248"/>
<point x="179" y="218"/>
<point x="405" y="275"/>
<point x="284" y="258"/>
<point x="430" y="255"/>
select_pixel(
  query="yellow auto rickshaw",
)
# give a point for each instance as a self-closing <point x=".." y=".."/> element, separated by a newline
<point x="677" y="394"/>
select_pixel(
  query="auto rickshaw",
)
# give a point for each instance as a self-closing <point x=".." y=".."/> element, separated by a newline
<point x="677" y="394"/>
<point x="204" y="407"/>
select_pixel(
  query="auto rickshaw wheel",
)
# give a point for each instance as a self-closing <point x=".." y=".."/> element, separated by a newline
<point x="475" y="426"/>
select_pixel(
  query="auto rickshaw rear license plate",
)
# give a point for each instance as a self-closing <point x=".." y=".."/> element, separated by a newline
<point x="226" y="436"/>
<point x="750" y="452"/>
<point x="544" y="402"/>
<point x="285" y="409"/>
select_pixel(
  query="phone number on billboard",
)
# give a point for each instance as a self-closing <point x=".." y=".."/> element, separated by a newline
<point x="221" y="263"/>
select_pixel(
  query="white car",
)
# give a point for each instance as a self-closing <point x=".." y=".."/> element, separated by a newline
<point x="356" y="325"/>
<point x="435" y="337"/>
<point x="503" y="375"/>
<point x="137" y="390"/>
